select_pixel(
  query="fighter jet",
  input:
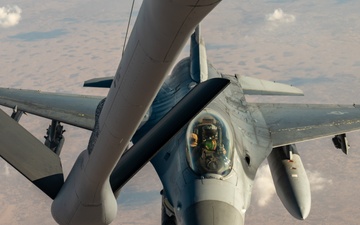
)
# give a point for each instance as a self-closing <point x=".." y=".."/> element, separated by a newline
<point x="203" y="138"/>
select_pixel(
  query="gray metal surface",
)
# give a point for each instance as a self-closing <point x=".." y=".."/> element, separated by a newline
<point x="212" y="213"/>
<point x="255" y="86"/>
<point x="29" y="156"/>
<point x="290" y="180"/>
<point x="77" y="110"/>
<point x="182" y="187"/>
<point x="291" y="123"/>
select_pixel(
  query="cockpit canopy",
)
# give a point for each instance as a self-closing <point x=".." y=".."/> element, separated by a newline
<point x="209" y="144"/>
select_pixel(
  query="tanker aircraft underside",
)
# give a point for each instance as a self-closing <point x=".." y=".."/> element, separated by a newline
<point x="203" y="138"/>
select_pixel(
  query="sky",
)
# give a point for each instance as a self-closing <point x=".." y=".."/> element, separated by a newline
<point x="56" y="45"/>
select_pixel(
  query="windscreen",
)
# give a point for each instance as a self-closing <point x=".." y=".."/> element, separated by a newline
<point x="209" y="144"/>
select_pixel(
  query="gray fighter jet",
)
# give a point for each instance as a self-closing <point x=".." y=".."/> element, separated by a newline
<point x="204" y="139"/>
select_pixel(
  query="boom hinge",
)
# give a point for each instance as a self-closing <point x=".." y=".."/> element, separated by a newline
<point x="16" y="114"/>
<point x="54" y="138"/>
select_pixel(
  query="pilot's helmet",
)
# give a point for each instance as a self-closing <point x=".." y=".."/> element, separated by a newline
<point x="210" y="131"/>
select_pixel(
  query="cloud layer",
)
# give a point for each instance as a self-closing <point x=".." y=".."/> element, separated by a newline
<point x="10" y="16"/>
<point x="279" y="16"/>
<point x="264" y="188"/>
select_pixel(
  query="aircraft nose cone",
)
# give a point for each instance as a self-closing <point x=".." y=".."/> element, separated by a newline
<point x="212" y="212"/>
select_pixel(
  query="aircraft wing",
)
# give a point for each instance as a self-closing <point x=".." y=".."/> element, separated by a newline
<point x="254" y="86"/>
<point x="76" y="110"/>
<point x="291" y="123"/>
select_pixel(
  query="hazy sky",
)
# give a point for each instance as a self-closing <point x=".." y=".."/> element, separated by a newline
<point x="55" y="46"/>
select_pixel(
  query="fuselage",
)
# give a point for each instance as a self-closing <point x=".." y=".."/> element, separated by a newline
<point x="208" y="178"/>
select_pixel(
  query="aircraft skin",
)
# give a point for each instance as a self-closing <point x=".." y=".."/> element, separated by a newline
<point x="206" y="158"/>
<point x="199" y="198"/>
<point x="206" y="197"/>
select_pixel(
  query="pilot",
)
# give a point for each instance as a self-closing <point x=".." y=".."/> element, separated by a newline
<point x="210" y="139"/>
<point x="207" y="149"/>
